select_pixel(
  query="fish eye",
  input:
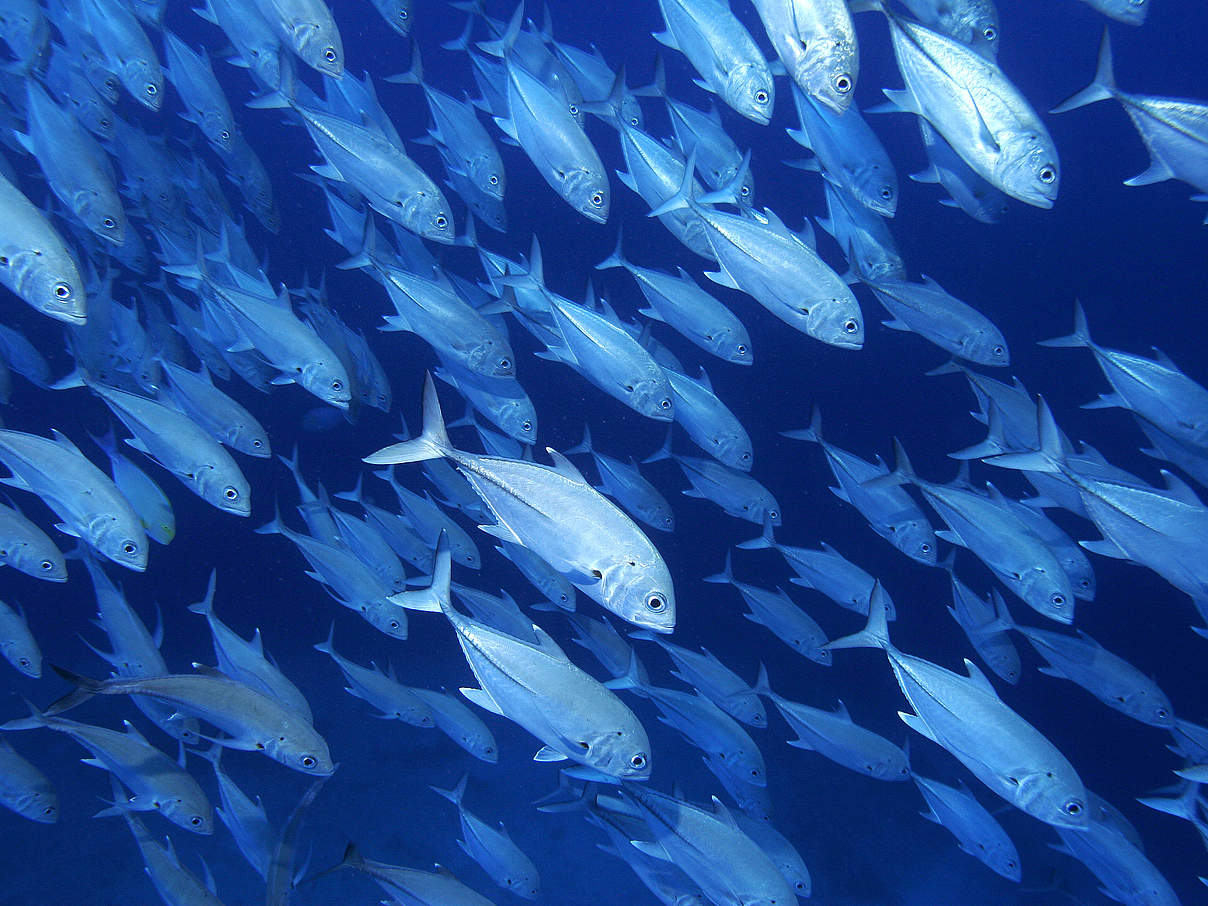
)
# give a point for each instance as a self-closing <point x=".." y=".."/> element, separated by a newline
<point x="24" y="662"/>
<point x="308" y="761"/>
<point x="886" y="192"/>
<point x="129" y="548"/>
<point x="256" y="442"/>
<point x="441" y="221"/>
<point x="990" y="33"/>
<point x="761" y="96"/>
<point x="505" y="362"/>
<point x="850" y="325"/>
<point x="843" y="83"/>
<point x="741" y="349"/>
<point x="225" y="135"/>
<point x="1047" y="175"/>
<point x="755" y="772"/>
<point x="196" y="821"/>
<point x="109" y="223"/>
<point x="403" y="14"/>
<point x="49" y="810"/>
<point x="1084" y="583"/>
<point x="773" y="514"/>
<point x="667" y="520"/>
<point x="1162" y="713"/>
<point x="656" y="603"/>
<point x="998" y="350"/>
<point x="574" y="110"/>
<point x="394" y="624"/>
<point x="151" y="89"/>
<point x="493" y="179"/>
<point x="46" y="565"/>
<point x="638" y="761"/>
<point x="1011" y="864"/>
<point x="597" y="198"/>
<point x="925" y="547"/>
<point x="665" y="404"/>
<point x="746" y="457"/>
<point x="230" y="493"/>
<point x="1058" y="600"/>
<point x="633" y="121"/>
<point x="337" y="385"/>
<point x="526" y="425"/>
<point x="329" y="54"/>
<point x="1072" y="807"/>
<point x="745" y="191"/>
<point x="105" y="124"/>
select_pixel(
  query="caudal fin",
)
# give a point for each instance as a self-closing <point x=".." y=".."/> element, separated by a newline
<point x="875" y="633"/>
<point x="454" y="795"/>
<point x="432" y="443"/>
<point x="85" y="689"/>
<point x="1081" y="335"/>
<point x="434" y="598"/>
<point x="1101" y="88"/>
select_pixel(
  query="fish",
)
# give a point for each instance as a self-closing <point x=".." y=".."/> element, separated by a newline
<point x="35" y="262"/>
<point x="17" y="643"/>
<point x="24" y="789"/>
<point x="251" y="720"/>
<point x="28" y="549"/>
<point x="493" y="849"/>
<point x="89" y="504"/>
<point x="537" y="687"/>
<point x="817" y="44"/>
<point x="555" y="513"/>
<point x="306" y="28"/>
<point x="975" y="829"/>
<point x="965" y="715"/>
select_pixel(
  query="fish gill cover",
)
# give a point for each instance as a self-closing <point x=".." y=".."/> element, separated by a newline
<point x="206" y="253"/>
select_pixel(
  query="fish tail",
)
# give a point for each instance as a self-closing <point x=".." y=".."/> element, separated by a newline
<point x="415" y="74"/>
<point x="903" y="472"/>
<point x="435" y="598"/>
<point x="875" y="633"/>
<point x="657" y="87"/>
<point x="683" y="196"/>
<point x="663" y="452"/>
<point x="1102" y="87"/>
<point x="763" y="685"/>
<point x="432" y="443"/>
<point x="631" y="681"/>
<point x="454" y="795"/>
<point x="352" y="857"/>
<point x="1081" y="335"/>
<point x="1049" y="457"/>
<point x="584" y="446"/>
<point x="328" y="647"/>
<point x="501" y="46"/>
<point x="85" y="689"/>
<point x="812" y="434"/>
<point x="726" y="576"/>
<point x="35" y="720"/>
<point x="205" y="607"/>
<point x="616" y="259"/>
<point x="765" y="540"/>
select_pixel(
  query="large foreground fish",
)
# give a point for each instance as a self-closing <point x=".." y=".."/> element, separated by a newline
<point x="554" y="512"/>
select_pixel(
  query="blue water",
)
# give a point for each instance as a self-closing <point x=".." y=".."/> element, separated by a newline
<point x="1135" y="256"/>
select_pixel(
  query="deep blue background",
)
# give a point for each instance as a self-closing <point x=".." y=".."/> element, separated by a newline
<point x="1136" y="257"/>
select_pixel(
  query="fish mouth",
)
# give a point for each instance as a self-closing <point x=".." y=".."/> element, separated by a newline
<point x="594" y="214"/>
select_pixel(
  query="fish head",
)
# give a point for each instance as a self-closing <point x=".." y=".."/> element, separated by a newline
<point x="827" y="73"/>
<point x="1151" y="708"/>
<point x="892" y="767"/>
<point x="916" y="539"/>
<point x="386" y="618"/>
<point x="328" y="381"/>
<point x="304" y="750"/>
<point x="587" y="192"/>
<point x="983" y="32"/>
<point x="518" y="419"/>
<point x="836" y="321"/>
<point x="731" y="344"/>
<point x="652" y="397"/>
<point x="254" y="442"/>
<point x="265" y="63"/>
<point x="196" y="816"/>
<point x="124" y="545"/>
<point x="750" y="92"/>
<point x="102" y="217"/>
<point x="630" y="111"/>
<point x="433" y="220"/>
<point x="1029" y="170"/>
<point x="986" y="347"/>
<point x="52" y="286"/>
<point x="487" y="176"/>
<point x="1130" y="12"/>
<point x="481" y="745"/>
<point x="761" y="507"/>
<point x="146" y="83"/>
<point x="37" y="805"/>
<point x="877" y="188"/>
<point x="397" y="14"/>
<point x="1048" y="593"/>
<point x="490" y="356"/>
<point x="319" y="46"/>
<point x="644" y="596"/>
<point x="40" y="561"/>
<point x="734" y="451"/>
<point x="659" y="515"/>
<point x="228" y="492"/>
<point x="1082" y="578"/>
<point x="219" y="130"/>
<point x="1051" y="796"/>
<point x="622" y="752"/>
<point x="26" y="658"/>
